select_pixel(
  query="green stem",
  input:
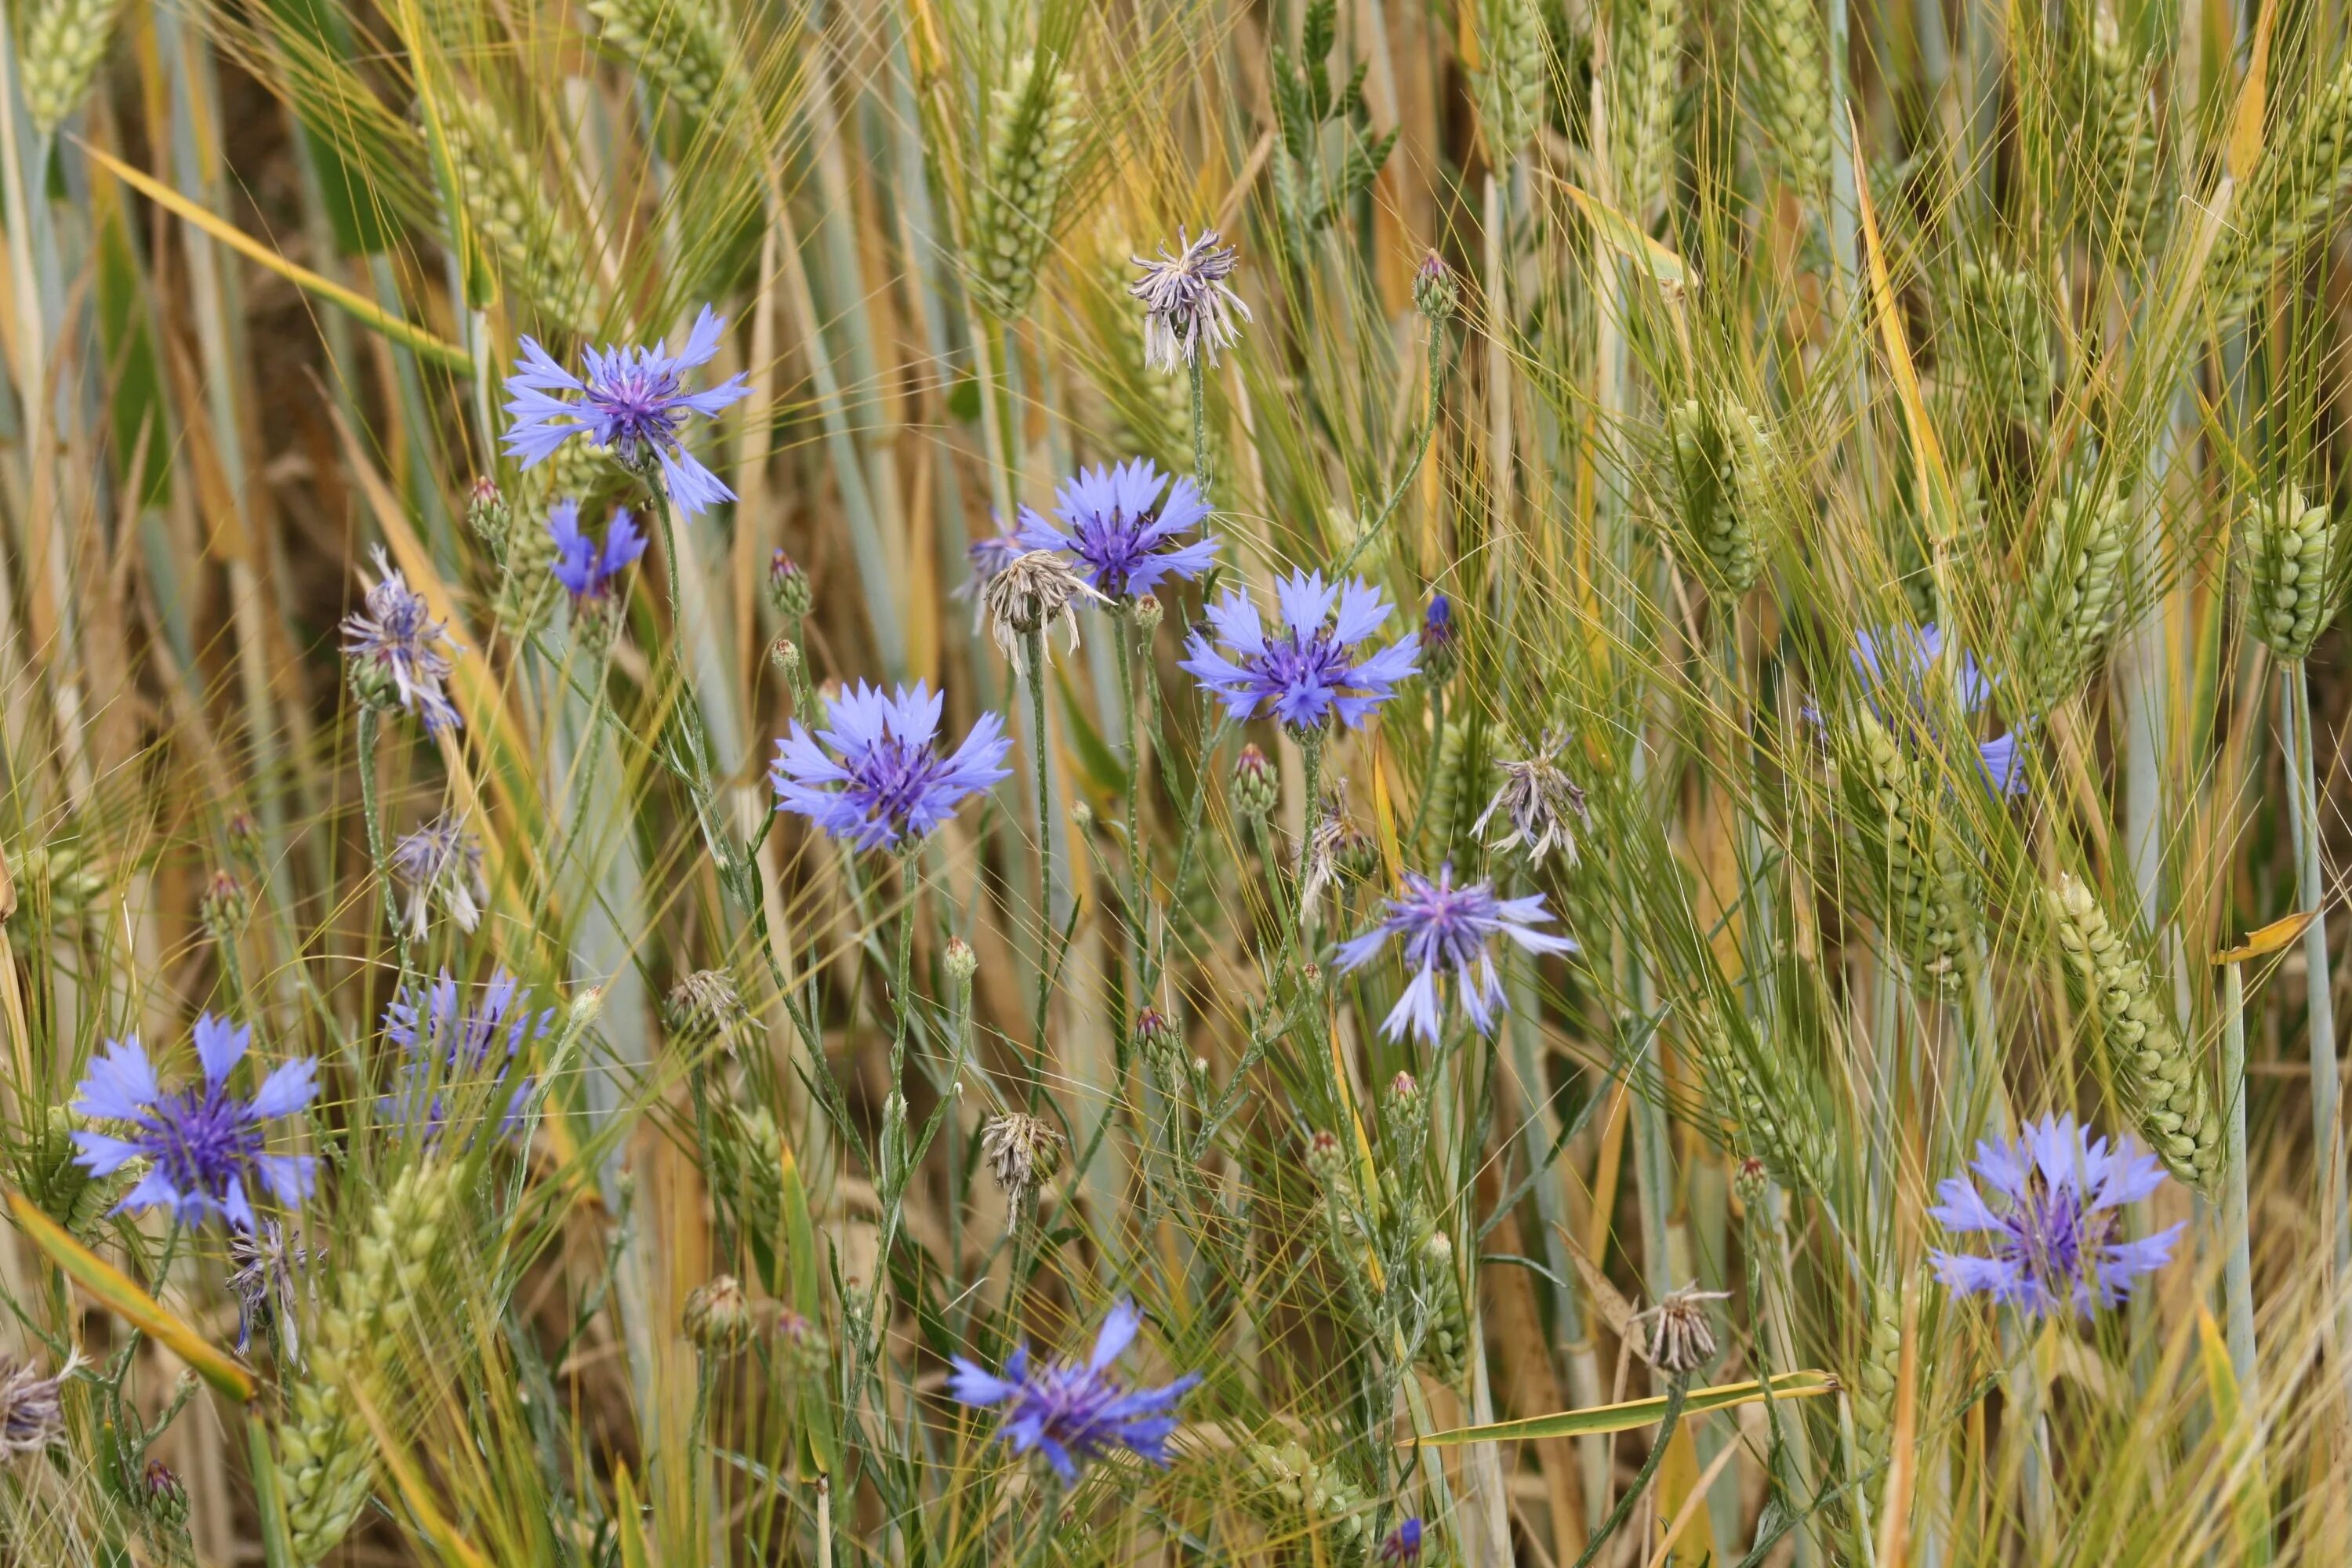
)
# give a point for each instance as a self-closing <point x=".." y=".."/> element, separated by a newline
<point x="1033" y="650"/>
<point x="1198" y="374"/>
<point x="2311" y="895"/>
<point x="1667" y="1422"/>
<point x="1125" y="627"/>
<point x="2237" y="1265"/>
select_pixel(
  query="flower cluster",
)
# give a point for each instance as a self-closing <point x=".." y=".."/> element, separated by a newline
<point x="875" y="779"/>
<point x="203" y="1142"/>
<point x="443" y="1044"/>
<point x="633" y="402"/>
<point x="1450" y="931"/>
<point x="2052" y="1203"/>
<point x="1903" y="669"/>
<point x="1308" y="672"/>
<point x="584" y="566"/>
<point x="1121" y="531"/>
<point x="1074" y="1412"/>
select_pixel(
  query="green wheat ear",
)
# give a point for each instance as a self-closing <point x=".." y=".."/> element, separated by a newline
<point x="1293" y="1481"/>
<point x="507" y="201"/>
<point x="2006" y="341"/>
<point x="2287" y="201"/>
<point x="1787" y="51"/>
<point x="326" y="1458"/>
<point x="1650" y="68"/>
<point x="1034" y="134"/>
<point x="1510" y="91"/>
<point x="2121" y="119"/>
<point x="1752" y="1094"/>
<point x="1922" y="889"/>
<point x="2153" y="1066"/>
<point x="2289" y="574"/>
<point x="681" y="46"/>
<point x="63" y="44"/>
<point x="1720" y="456"/>
<point x="2070" y="596"/>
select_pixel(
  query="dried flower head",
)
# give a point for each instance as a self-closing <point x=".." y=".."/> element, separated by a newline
<point x="1022" y="1152"/>
<point x="441" y="863"/>
<point x="32" y="1416"/>
<point x="1074" y="1412"/>
<point x="397" y="653"/>
<point x="1682" y="1339"/>
<point x="1544" y="806"/>
<point x="1028" y="594"/>
<point x="1188" y="305"/>
<point x="269" y="1266"/>
<point x="705" y="1005"/>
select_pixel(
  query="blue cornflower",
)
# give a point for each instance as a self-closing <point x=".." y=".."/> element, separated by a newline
<point x="1121" y="531"/>
<point x="1446" y="928"/>
<point x="1074" y="1414"/>
<point x="2054" y="1247"/>
<point x="585" y="568"/>
<point x="633" y="403"/>
<point x="1403" y="1542"/>
<point x="450" y="1045"/>
<point x="1439" y="655"/>
<point x="395" y="644"/>
<point x="203" y="1142"/>
<point x="1899" y="664"/>
<point x="883" y="780"/>
<point x="1309" y="672"/>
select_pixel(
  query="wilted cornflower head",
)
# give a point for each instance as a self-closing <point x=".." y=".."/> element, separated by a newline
<point x="1027" y="594"/>
<point x="1074" y="1412"/>
<point x="1539" y="800"/>
<point x="704" y="1006"/>
<point x="1681" y="1340"/>
<point x="1308" y="672"/>
<point x="267" y="1262"/>
<point x="1022" y="1152"/>
<point x="2056" y="1197"/>
<point x="441" y="861"/>
<point x="876" y="777"/>
<point x="1122" y="532"/>
<point x="446" y="1045"/>
<point x="1903" y="667"/>
<point x="585" y="566"/>
<point x="204" y="1142"/>
<point x="1450" y="930"/>
<point x="988" y="557"/>
<point x="397" y="651"/>
<point x="630" y="401"/>
<point x="1186" y="301"/>
<point x="32" y="1416"/>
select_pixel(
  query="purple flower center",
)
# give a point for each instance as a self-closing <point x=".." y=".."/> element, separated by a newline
<point x="636" y="403"/>
<point x="892" y="777"/>
<point x="2054" y="1232"/>
<point x="202" y="1136"/>
<point x="1305" y="663"/>
<point x="1449" y="925"/>
<point x="1114" y="544"/>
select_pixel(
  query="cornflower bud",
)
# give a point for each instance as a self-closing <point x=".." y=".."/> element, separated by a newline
<point x="1327" y="1158"/>
<point x="162" y="1496"/>
<point x="1435" y="292"/>
<point x="223" y="908"/>
<point x="488" y="514"/>
<point x="962" y="962"/>
<point x="1256" y="788"/>
<point x="1439" y="655"/>
<point x="785" y="654"/>
<point x="717" y="1317"/>
<point x="789" y="588"/>
<point x="1147" y="614"/>
<point x="243" y="836"/>
<point x="1158" y="1038"/>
